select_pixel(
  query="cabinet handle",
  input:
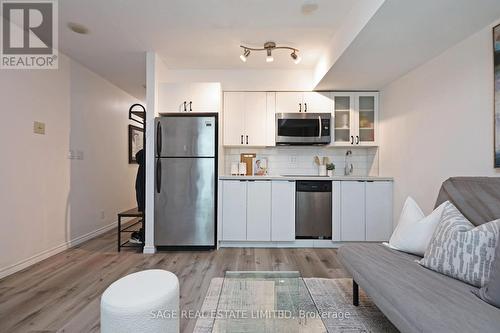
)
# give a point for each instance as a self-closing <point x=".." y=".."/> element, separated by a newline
<point x="190" y="106"/>
<point x="185" y="106"/>
<point x="357" y="139"/>
<point x="352" y="139"/>
<point x="241" y="139"/>
<point x="300" y="107"/>
<point x="247" y="139"/>
<point x="305" y="107"/>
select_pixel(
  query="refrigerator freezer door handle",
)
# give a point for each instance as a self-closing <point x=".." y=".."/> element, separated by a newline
<point x="158" y="139"/>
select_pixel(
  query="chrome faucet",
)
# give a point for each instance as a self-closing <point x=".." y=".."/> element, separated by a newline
<point x="348" y="165"/>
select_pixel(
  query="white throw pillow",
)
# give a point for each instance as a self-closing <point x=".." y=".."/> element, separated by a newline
<point x="414" y="230"/>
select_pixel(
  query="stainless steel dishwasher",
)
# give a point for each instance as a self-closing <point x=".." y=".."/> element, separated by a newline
<point x="313" y="209"/>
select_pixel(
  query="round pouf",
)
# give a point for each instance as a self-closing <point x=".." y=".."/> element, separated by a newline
<point x="146" y="301"/>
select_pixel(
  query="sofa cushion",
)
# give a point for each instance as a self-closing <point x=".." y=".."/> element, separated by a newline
<point x="460" y="250"/>
<point x="414" y="298"/>
<point x="414" y="230"/>
<point x="491" y="291"/>
<point x="477" y="198"/>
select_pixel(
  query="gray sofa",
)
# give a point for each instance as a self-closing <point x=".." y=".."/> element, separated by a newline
<point x="416" y="299"/>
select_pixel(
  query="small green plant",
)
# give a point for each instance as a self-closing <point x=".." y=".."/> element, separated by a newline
<point x="330" y="166"/>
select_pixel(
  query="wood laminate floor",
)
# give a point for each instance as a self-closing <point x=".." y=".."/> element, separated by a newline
<point x="62" y="293"/>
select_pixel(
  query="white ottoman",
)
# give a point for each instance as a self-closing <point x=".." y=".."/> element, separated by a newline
<point x="146" y="301"/>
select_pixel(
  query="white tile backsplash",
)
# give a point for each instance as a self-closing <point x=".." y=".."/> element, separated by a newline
<point x="300" y="160"/>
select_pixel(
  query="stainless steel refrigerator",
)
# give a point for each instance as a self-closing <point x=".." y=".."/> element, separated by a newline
<point x="185" y="180"/>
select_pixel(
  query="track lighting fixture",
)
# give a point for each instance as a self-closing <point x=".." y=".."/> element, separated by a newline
<point x="296" y="58"/>
<point x="269" y="57"/>
<point x="269" y="47"/>
<point x="245" y="55"/>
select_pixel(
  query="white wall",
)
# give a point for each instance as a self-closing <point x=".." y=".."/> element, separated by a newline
<point x="437" y="122"/>
<point x="103" y="183"/>
<point x="257" y="80"/>
<point x="48" y="201"/>
<point x="155" y="70"/>
<point x="34" y="169"/>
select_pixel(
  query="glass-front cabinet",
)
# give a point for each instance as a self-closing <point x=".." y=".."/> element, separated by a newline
<point x="356" y="119"/>
<point x="343" y="118"/>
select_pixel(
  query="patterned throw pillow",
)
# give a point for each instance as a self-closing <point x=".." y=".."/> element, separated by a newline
<point x="460" y="250"/>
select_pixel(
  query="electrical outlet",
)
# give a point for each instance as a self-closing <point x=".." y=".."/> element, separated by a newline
<point x="38" y="127"/>
<point x="293" y="159"/>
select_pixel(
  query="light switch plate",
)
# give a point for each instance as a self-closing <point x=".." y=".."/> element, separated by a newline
<point x="38" y="127"/>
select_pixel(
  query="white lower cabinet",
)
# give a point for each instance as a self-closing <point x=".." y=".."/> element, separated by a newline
<point x="352" y="212"/>
<point x="258" y="211"/>
<point x="362" y="211"/>
<point x="234" y="210"/>
<point x="283" y="211"/>
<point x="378" y="211"/>
<point x="264" y="210"/>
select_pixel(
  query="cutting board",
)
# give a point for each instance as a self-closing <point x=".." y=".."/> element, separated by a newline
<point x="247" y="158"/>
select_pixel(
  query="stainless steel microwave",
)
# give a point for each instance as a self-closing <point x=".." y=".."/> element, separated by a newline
<point x="303" y="128"/>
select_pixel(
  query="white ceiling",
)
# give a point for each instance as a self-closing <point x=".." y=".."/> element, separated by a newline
<point x="403" y="35"/>
<point x="194" y="34"/>
<point x="206" y="34"/>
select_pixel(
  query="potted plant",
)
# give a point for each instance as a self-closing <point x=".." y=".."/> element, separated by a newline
<point x="330" y="168"/>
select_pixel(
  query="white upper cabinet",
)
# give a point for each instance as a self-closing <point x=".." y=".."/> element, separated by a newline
<point x="318" y="102"/>
<point x="343" y="113"/>
<point x="234" y="119"/>
<point x="366" y="117"/>
<point x="255" y="118"/>
<point x="271" y="119"/>
<point x="289" y="101"/>
<point x="356" y="119"/>
<point x="308" y="101"/>
<point x="245" y="119"/>
<point x="189" y="97"/>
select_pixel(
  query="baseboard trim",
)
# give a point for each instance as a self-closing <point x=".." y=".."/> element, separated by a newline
<point x="299" y="243"/>
<point x="6" y="271"/>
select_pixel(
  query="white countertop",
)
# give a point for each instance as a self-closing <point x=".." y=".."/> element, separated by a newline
<point x="290" y="177"/>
